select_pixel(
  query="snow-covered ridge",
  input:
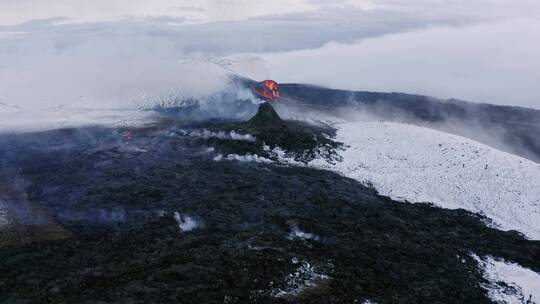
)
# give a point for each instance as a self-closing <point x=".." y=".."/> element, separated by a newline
<point x="41" y="119"/>
<point x="417" y="164"/>
<point x="509" y="283"/>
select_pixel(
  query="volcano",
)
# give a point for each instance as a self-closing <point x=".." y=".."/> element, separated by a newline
<point x="267" y="207"/>
<point x="266" y="117"/>
<point x="267" y="90"/>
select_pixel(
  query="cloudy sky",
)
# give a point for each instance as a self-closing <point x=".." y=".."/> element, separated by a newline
<point x="105" y="52"/>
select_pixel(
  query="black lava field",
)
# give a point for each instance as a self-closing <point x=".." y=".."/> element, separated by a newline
<point x="152" y="215"/>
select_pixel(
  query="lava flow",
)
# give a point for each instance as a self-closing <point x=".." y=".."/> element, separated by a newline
<point x="267" y="90"/>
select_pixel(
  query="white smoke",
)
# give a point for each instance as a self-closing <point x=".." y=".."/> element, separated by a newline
<point x="250" y="66"/>
<point x="206" y="134"/>
<point x="66" y="91"/>
<point x="243" y="158"/>
<point x="107" y="82"/>
<point x="297" y="233"/>
<point x="185" y="222"/>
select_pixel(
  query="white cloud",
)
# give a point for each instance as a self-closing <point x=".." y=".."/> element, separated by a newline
<point x="225" y="10"/>
<point x="494" y="63"/>
<point x="134" y="45"/>
<point x="16" y="11"/>
<point x="102" y="82"/>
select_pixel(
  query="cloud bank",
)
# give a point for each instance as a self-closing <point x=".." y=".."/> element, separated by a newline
<point x="491" y="63"/>
<point x="108" y="53"/>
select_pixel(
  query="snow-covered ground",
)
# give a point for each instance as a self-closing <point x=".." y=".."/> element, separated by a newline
<point x="307" y="276"/>
<point x="416" y="164"/>
<point x="28" y="120"/>
<point x="509" y="283"/>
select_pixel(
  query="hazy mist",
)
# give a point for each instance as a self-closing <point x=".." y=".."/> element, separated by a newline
<point x="114" y="53"/>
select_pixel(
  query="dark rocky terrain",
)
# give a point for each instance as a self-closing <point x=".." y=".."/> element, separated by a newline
<point x="512" y="129"/>
<point x="147" y="215"/>
<point x="302" y="142"/>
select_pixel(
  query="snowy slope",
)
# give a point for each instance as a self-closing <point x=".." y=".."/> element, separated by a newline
<point x="417" y="164"/>
<point x="509" y="283"/>
<point x="28" y="120"/>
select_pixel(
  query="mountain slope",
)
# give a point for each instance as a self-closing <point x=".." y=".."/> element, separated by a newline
<point x="265" y="232"/>
<point x="512" y="129"/>
<point x="416" y="164"/>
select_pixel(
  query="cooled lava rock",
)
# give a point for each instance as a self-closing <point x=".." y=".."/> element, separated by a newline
<point x="266" y="118"/>
<point x="249" y="232"/>
<point x="298" y="140"/>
